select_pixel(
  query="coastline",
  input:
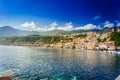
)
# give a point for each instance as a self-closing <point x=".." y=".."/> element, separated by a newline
<point x="90" y="41"/>
<point x="57" y="47"/>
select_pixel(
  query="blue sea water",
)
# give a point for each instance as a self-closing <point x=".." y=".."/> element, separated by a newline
<point x="35" y="63"/>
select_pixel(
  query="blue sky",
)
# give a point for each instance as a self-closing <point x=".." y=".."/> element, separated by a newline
<point x="59" y="14"/>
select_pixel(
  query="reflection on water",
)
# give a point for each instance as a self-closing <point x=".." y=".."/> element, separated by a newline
<point x="58" y="64"/>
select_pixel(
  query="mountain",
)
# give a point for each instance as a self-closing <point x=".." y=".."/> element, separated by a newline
<point x="7" y="31"/>
<point x="69" y="32"/>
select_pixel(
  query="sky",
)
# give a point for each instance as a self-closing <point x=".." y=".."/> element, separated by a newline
<point x="47" y="15"/>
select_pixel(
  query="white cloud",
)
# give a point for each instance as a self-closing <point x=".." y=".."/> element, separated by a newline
<point x="117" y="21"/>
<point x="86" y="27"/>
<point x="108" y="24"/>
<point x="54" y="26"/>
<point x="97" y="17"/>
<point x="99" y="27"/>
<point x="118" y="24"/>
<point x="67" y="27"/>
<point x="46" y="28"/>
<point x="28" y="25"/>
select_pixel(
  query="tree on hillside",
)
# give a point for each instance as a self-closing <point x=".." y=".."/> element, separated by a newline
<point x="115" y="36"/>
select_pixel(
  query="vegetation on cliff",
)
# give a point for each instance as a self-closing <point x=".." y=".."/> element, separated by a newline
<point x="44" y="39"/>
<point x="115" y="36"/>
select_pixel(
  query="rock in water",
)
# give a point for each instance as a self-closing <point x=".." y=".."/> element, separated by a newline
<point x="118" y="78"/>
<point x="6" y="78"/>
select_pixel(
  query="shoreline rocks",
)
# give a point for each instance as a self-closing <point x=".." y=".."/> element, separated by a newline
<point x="6" y="78"/>
<point x="118" y="78"/>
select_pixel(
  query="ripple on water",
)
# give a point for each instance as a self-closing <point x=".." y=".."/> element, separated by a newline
<point x="30" y="63"/>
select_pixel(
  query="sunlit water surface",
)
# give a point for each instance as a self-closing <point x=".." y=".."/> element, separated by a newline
<point x="30" y="63"/>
